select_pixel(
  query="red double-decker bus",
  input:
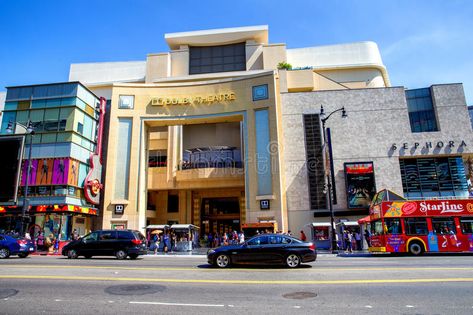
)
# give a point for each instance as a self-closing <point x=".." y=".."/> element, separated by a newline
<point x="417" y="226"/>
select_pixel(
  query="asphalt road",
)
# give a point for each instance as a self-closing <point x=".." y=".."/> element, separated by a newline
<point x="186" y="284"/>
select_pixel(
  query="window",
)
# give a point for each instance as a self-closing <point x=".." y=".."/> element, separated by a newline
<point x="125" y="235"/>
<point x="260" y="240"/>
<point x="416" y="226"/>
<point x="126" y="102"/>
<point x="91" y="237"/>
<point x="108" y="235"/>
<point x="466" y="225"/>
<point x="157" y="158"/>
<point x="433" y="177"/>
<point x="393" y="226"/>
<point x="443" y="226"/>
<point x="421" y="110"/>
<point x="80" y="128"/>
<point x="314" y="158"/>
<point x="173" y="203"/>
<point x="377" y="228"/>
<point x="260" y="92"/>
<point x="217" y="59"/>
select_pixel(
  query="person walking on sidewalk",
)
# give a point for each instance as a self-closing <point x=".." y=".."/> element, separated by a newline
<point x="358" y="241"/>
<point x="367" y="237"/>
<point x="303" y="237"/>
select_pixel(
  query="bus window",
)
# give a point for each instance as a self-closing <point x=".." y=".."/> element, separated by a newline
<point x="376" y="228"/>
<point x="466" y="225"/>
<point x="416" y="226"/>
<point x="393" y="226"/>
<point x="443" y="225"/>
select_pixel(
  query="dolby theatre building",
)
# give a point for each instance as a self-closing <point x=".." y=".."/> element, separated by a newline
<point x="211" y="133"/>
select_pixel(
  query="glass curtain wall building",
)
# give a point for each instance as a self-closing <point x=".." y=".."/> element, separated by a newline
<point x="65" y="119"/>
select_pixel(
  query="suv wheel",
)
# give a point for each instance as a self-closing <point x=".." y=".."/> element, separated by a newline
<point x="72" y="254"/>
<point x="120" y="254"/>
<point x="4" y="253"/>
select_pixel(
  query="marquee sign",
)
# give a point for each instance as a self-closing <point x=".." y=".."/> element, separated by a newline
<point x="190" y="100"/>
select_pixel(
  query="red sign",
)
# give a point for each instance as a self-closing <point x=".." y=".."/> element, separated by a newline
<point x="427" y="208"/>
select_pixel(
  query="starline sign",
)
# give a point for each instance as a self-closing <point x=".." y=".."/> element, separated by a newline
<point x="427" y="207"/>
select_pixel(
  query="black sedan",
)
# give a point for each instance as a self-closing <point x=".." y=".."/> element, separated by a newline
<point x="264" y="249"/>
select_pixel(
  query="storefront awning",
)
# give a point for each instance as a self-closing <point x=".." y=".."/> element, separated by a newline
<point x="364" y="220"/>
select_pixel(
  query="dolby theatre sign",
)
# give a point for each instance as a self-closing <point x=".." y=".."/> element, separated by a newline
<point x="191" y="100"/>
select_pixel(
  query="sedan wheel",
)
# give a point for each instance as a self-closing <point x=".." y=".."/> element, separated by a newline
<point x="121" y="254"/>
<point x="222" y="261"/>
<point x="4" y="253"/>
<point x="23" y="255"/>
<point x="72" y="254"/>
<point x="293" y="261"/>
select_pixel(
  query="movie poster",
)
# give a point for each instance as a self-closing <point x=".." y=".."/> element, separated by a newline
<point x="361" y="186"/>
<point x="33" y="168"/>
<point x="44" y="172"/>
<point x="61" y="171"/>
<point x="73" y="173"/>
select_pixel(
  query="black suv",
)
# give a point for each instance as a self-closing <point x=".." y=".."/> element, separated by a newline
<point x="118" y="243"/>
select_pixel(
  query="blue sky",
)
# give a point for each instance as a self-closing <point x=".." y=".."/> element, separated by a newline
<point x="421" y="42"/>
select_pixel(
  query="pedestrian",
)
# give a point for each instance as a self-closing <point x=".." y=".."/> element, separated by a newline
<point x="303" y="237"/>
<point x="75" y="235"/>
<point x="166" y="242"/>
<point x="358" y="241"/>
<point x="367" y="237"/>
<point x="242" y="237"/>
<point x="349" y="241"/>
<point x="40" y="241"/>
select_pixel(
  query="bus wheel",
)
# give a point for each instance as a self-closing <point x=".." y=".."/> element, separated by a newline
<point x="416" y="248"/>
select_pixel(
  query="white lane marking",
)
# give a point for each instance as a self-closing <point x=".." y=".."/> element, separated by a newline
<point x="410" y="306"/>
<point x="178" y="304"/>
<point x="6" y="299"/>
<point x="110" y="302"/>
<point x="57" y="300"/>
<point x="297" y="306"/>
<point x="368" y="306"/>
<point x="231" y="305"/>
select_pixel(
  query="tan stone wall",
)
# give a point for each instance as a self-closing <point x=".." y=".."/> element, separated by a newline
<point x="146" y="116"/>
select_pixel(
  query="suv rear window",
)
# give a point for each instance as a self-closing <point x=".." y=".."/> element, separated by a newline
<point x="125" y="235"/>
<point x="138" y="235"/>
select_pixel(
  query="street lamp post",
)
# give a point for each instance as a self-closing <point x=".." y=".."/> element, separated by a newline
<point x="29" y="130"/>
<point x="327" y="172"/>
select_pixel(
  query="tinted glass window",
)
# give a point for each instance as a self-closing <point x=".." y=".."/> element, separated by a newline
<point x="275" y="239"/>
<point x="125" y="235"/>
<point x="433" y="177"/>
<point x="217" y="58"/>
<point x="416" y="226"/>
<point x="138" y="235"/>
<point x="260" y="240"/>
<point x="466" y="225"/>
<point x="443" y="225"/>
<point x="107" y="235"/>
<point x="421" y="110"/>
<point x="91" y="237"/>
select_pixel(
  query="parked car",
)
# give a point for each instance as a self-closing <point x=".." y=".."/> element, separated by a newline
<point x="118" y="243"/>
<point x="10" y="245"/>
<point x="264" y="249"/>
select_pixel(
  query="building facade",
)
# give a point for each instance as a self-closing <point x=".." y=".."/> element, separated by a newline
<point x="224" y="129"/>
<point x="64" y="117"/>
